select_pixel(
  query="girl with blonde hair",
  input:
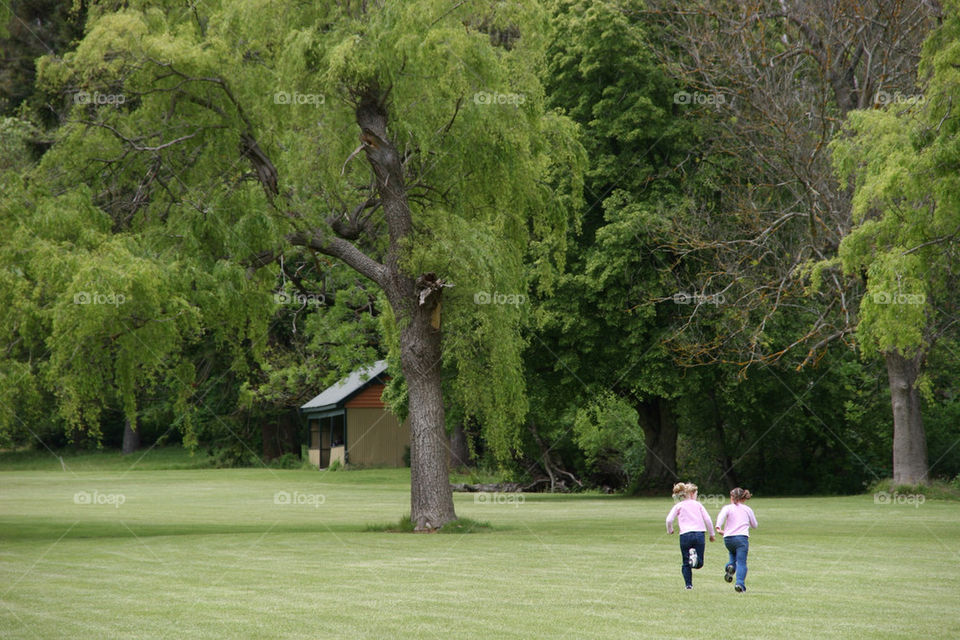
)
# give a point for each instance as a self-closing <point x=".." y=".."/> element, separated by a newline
<point x="694" y="522"/>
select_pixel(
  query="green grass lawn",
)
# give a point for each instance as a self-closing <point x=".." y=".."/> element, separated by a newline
<point x="208" y="553"/>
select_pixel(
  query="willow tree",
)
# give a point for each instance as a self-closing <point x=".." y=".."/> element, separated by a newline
<point x="903" y="162"/>
<point x="408" y="141"/>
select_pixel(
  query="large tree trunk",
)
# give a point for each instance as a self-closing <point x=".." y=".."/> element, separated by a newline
<point x="660" y="439"/>
<point x="131" y="438"/>
<point x="431" y="498"/>
<point x="909" y="439"/>
<point x="416" y="303"/>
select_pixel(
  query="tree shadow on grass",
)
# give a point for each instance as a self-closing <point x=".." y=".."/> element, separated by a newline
<point x="405" y="525"/>
<point x="36" y="529"/>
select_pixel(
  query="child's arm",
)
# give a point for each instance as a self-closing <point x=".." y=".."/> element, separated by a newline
<point x="707" y="521"/>
<point x="753" y="518"/>
<point x="721" y="519"/>
<point x="706" y="517"/>
<point x="671" y="516"/>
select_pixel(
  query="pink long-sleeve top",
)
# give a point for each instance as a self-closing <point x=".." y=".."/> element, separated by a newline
<point x="690" y="515"/>
<point x="738" y="518"/>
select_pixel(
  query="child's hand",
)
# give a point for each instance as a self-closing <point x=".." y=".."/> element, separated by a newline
<point x="719" y="530"/>
<point x="713" y="538"/>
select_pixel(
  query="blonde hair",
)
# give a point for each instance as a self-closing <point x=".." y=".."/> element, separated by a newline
<point x="683" y="488"/>
<point x="740" y="495"/>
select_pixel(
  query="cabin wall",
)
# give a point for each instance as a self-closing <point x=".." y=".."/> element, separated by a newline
<point x="376" y="438"/>
<point x="368" y="398"/>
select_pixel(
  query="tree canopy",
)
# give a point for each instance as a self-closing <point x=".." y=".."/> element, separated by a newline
<point x="600" y="243"/>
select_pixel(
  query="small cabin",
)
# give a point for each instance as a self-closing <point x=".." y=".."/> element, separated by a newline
<point x="349" y="423"/>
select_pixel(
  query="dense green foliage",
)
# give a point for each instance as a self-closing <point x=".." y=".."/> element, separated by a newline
<point x="156" y="160"/>
<point x="902" y="161"/>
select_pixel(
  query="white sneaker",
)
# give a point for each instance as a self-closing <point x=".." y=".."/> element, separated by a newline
<point x="693" y="558"/>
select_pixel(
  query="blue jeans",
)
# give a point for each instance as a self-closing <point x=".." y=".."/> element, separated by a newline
<point x="691" y="540"/>
<point x="738" y="546"/>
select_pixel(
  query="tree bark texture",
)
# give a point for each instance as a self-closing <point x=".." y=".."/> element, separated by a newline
<point x="909" y="439"/>
<point x="131" y="438"/>
<point x="414" y="302"/>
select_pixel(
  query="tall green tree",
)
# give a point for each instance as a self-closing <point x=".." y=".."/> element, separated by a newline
<point x="903" y="162"/>
<point x="408" y="141"/>
<point x="769" y="83"/>
<point x="772" y="81"/>
<point x="602" y="332"/>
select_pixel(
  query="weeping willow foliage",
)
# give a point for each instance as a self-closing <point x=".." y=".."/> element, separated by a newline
<point x="161" y="100"/>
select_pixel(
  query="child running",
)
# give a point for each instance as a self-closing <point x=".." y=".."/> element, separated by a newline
<point x="694" y="522"/>
<point x="739" y="519"/>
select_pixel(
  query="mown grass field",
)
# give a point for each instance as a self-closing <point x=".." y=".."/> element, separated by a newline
<point x="208" y="553"/>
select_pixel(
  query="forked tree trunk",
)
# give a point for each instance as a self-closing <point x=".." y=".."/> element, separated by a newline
<point x="909" y="439"/>
<point x="131" y="438"/>
<point x="416" y="305"/>
<point x="415" y="301"/>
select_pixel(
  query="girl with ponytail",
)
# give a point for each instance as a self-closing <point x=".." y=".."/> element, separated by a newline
<point x="739" y="519"/>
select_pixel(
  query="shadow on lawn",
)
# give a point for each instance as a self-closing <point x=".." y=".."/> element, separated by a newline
<point x="460" y="525"/>
<point x="53" y="529"/>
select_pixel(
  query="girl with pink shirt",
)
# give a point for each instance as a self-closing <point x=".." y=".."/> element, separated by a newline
<point x="739" y="519"/>
<point x="694" y="522"/>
